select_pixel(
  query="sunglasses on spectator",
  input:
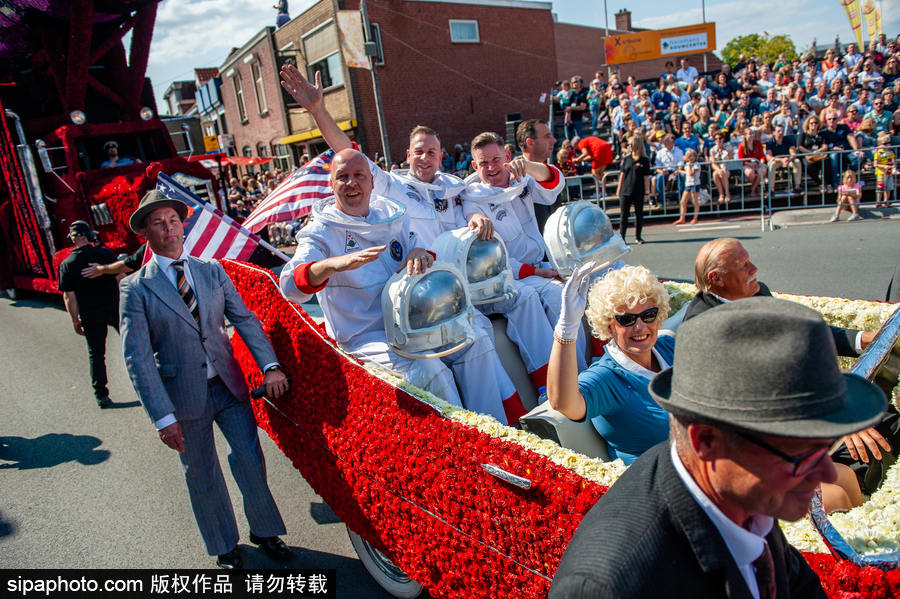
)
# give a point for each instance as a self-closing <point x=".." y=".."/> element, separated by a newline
<point x="628" y="319"/>
<point x="802" y="464"/>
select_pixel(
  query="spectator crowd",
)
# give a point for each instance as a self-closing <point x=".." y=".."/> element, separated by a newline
<point x="813" y="118"/>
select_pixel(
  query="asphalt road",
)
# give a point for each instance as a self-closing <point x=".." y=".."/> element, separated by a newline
<point x="85" y="488"/>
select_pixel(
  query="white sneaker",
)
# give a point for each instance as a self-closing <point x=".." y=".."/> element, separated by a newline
<point x="853" y="217"/>
<point x="834" y="218"/>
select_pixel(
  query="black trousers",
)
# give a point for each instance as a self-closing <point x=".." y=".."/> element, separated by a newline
<point x="638" y="203"/>
<point x="95" y="327"/>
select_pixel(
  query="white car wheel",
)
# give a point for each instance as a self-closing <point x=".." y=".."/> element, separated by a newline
<point x="388" y="575"/>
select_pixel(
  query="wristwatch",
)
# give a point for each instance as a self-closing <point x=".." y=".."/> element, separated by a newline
<point x="271" y="368"/>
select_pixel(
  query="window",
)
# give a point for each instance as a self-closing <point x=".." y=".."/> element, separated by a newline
<point x="464" y="32"/>
<point x="376" y="37"/>
<point x="262" y="151"/>
<point x="248" y="152"/>
<point x="239" y="96"/>
<point x="330" y="67"/>
<point x="282" y="158"/>
<point x="258" y="87"/>
<point x="321" y="49"/>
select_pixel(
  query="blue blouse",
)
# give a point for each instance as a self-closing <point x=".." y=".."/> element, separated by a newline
<point x="620" y="406"/>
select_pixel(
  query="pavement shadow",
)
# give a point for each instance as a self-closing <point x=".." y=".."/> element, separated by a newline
<point x="6" y="528"/>
<point x="120" y="405"/>
<point x="700" y="239"/>
<point x="322" y="514"/>
<point x="50" y="450"/>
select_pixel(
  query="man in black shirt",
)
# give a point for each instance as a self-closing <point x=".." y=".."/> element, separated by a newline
<point x="781" y="153"/>
<point x="125" y="266"/>
<point x="838" y="137"/>
<point x="576" y="108"/>
<point x="93" y="304"/>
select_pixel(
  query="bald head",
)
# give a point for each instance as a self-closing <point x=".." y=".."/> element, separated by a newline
<point x="723" y="267"/>
<point x="351" y="181"/>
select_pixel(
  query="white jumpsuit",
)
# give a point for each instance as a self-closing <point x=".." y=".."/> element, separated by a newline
<point x="434" y="209"/>
<point x="512" y="211"/>
<point x="351" y="303"/>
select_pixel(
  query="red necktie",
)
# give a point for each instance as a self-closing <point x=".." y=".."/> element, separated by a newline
<point x="765" y="574"/>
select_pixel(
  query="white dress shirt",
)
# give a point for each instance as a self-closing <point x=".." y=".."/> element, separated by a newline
<point x="165" y="265"/>
<point x="744" y="545"/>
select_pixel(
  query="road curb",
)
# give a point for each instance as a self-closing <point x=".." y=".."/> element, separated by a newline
<point x="822" y="216"/>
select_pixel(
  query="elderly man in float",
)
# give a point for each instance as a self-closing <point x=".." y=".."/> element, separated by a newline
<point x="724" y="273"/>
<point x="429" y="197"/>
<point x="695" y="517"/>
<point x="354" y="245"/>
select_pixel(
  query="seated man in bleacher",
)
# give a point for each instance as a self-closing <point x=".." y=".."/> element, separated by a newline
<point x="346" y="255"/>
<point x="668" y="159"/>
<point x="781" y="153"/>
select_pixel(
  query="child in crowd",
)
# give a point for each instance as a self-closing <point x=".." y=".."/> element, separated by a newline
<point x="885" y="165"/>
<point x="564" y="159"/>
<point x="849" y="193"/>
<point x="691" y="187"/>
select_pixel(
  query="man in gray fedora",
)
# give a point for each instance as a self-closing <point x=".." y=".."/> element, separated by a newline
<point x="756" y="402"/>
<point x="182" y="366"/>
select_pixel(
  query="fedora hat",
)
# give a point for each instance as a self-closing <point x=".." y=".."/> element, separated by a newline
<point x="151" y="201"/>
<point x="767" y="366"/>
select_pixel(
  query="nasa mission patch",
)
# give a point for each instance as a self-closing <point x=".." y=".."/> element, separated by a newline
<point x="396" y="251"/>
<point x="352" y="244"/>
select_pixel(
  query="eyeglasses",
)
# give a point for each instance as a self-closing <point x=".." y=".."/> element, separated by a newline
<point x="628" y="319"/>
<point x="805" y="462"/>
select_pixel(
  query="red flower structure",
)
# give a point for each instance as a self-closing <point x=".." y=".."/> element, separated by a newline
<point x="411" y="482"/>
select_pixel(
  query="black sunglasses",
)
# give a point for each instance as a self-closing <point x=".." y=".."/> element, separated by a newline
<point x="628" y="319"/>
<point x="805" y="462"/>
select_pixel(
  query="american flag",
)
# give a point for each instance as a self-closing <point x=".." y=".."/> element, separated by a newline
<point x="296" y="194"/>
<point x="208" y="232"/>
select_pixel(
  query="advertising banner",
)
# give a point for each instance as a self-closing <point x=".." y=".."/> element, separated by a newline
<point x="647" y="45"/>
<point x="851" y="7"/>
<point x="350" y="28"/>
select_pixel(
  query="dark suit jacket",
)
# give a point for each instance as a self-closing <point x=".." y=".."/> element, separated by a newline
<point x="844" y="339"/>
<point x="647" y="537"/>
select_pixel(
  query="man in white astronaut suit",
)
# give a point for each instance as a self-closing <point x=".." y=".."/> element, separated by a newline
<point x="354" y="245"/>
<point x="430" y="199"/>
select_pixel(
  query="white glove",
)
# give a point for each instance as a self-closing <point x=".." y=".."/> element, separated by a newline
<point x="574" y="299"/>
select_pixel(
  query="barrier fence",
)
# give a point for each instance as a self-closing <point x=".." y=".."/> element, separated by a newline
<point x="773" y="194"/>
<point x="588" y="188"/>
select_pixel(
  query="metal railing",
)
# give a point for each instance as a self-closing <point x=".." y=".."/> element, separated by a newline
<point x="596" y="191"/>
<point x="835" y="160"/>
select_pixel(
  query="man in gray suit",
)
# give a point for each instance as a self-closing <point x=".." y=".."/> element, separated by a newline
<point x="182" y="366"/>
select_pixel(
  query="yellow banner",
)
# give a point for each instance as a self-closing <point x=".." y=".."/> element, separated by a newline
<point x="878" y="27"/>
<point x="851" y="7"/>
<point x="647" y="45"/>
<point x="350" y="28"/>
<point x="868" y="10"/>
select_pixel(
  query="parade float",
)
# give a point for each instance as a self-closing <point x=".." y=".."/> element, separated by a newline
<point x="437" y="496"/>
<point x="67" y="87"/>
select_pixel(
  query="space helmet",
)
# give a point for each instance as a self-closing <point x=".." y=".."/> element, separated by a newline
<point x="579" y="233"/>
<point x="485" y="263"/>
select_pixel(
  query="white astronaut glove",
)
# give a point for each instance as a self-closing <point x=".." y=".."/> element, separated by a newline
<point x="574" y="299"/>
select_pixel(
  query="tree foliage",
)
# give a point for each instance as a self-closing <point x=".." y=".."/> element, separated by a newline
<point x="765" y="47"/>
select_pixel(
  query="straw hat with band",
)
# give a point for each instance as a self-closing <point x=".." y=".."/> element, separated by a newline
<point x="767" y="366"/>
<point x="151" y="201"/>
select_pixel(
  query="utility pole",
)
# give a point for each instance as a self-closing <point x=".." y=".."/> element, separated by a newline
<point x="379" y="109"/>
<point x="606" y="15"/>
<point x="705" y="67"/>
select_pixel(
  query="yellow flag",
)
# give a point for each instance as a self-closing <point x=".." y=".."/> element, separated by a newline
<point x="868" y="10"/>
<point x="851" y="7"/>
<point x="878" y="26"/>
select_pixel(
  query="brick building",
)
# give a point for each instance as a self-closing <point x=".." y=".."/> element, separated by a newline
<point x="251" y="96"/>
<point x="458" y="66"/>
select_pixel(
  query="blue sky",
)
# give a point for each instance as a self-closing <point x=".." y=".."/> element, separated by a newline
<point x="199" y="33"/>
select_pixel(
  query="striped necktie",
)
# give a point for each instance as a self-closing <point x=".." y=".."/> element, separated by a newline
<point x="184" y="288"/>
<point x="765" y="574"/>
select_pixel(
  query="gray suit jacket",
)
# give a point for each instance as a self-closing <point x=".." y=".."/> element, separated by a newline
<point x="166" y="350"/>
